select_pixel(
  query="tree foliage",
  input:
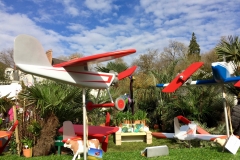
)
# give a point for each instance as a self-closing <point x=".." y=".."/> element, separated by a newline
<point x="2" y="71"/>
<point x="147" y="62"/>
<point x="6" y="57"/>
<point x="193" y="48"/>
<point x="228" y="49"/>
<point x="208" y="58"/>
<point x="54" y="98"/>
<point x="116" y="66"/>
<point x="71" y="56"/>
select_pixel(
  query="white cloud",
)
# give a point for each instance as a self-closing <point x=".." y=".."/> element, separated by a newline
<point x="15" y="24"/>
<point x="1" y="4"/>
<point x="103" y="6"/>
<point x="70" y="7"/>
<point x="149" y="25"/>
<point x="76" y="27"/>
<point x="104" y="20"/>
<point x="4" y="7"/>
<point x="44" y="16"/>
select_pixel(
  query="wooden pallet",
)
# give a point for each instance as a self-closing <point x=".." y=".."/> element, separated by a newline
<point x="133" y="137"/>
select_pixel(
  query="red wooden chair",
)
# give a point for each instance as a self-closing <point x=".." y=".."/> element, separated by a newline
<point x="5" y="136"/>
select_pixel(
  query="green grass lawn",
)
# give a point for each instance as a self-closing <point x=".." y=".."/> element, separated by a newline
<point x="131" y="151"/>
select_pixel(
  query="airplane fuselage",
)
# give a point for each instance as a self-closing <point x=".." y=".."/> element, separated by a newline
<point x="80" y="78"/>
<point x="221" y="71"/>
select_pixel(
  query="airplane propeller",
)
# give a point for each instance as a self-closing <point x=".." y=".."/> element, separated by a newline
<point x="121" y="101"/>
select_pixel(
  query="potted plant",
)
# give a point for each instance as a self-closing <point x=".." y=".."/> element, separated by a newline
<point x="136" y="118"/>
<point x="119" y="118"/>
<point x="27" y="146"/>
<point x="127" y="117"/>
<point x="141" y="117"/>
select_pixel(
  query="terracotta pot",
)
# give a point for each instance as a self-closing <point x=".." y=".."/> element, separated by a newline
<point x="126" y="121"/>
<point x="143" y="122"/>
<point x="137" y="122"/>
<point x="27" y="152"/>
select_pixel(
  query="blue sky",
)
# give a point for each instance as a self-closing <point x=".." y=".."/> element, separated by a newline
<point x="97" y="26"/>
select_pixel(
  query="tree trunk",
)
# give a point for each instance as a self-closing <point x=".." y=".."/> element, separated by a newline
<point x="45" y="143"/>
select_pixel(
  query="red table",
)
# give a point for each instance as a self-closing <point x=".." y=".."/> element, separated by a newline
<point x="5" y="134"/>
<point x="93" y="131"/>
<point x="99" y="132"/>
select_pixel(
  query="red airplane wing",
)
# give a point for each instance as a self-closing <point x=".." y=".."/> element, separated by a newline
<point x="162" y="135"/>
<point x="96" y="58"/>
<point x="182" y="77"/>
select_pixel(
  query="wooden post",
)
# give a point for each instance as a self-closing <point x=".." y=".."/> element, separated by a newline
<point x="16" y="130"/>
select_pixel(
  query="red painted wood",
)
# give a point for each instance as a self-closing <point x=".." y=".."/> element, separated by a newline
<point x="96" y="58"/>
<point x="177" y="81"/>
<point x="93" y="131"/>
<point x="237" y="84"/>
<point x="127" y="73"/>
<point x="8" y="134"/>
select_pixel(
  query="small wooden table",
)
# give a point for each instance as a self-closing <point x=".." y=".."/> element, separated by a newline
<point x="93" y="131"/>
<point x="133" y="137"/>
<point x="99" y="132"/>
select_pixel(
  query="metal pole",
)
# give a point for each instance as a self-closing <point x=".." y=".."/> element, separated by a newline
<point x="131" y="95"/>
<point x="84" y="124"/>
<point x="225" y="104"/>
<point x="225" y="110"/>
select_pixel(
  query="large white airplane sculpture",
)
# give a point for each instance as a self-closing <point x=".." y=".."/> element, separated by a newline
<point x="187" y="132"/>
<point x="29" y="56"/>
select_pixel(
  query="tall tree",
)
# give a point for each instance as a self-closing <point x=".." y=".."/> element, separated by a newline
<point x="193" y="48"/>
<point x="147" y="62"/>
<point x="176" y="52"/>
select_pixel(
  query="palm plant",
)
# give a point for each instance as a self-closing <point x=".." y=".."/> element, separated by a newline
<point x="5" y="103"/>
<point x="52" y="100"/>
<point x="229" y="50"/>
<point x="148" y="97"/>
<point x="117" y="67"/>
